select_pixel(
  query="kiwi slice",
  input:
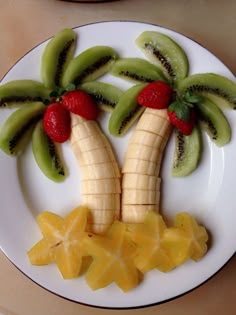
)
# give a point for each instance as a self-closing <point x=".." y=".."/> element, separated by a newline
<point x="55" y="57"/>
<point x="187" y="152"/>
<point x="89" y="65"/>
<point x="137" y="70"/>
<point x="221" y="90"/>
<point x="18" y="92"/>
<point x="161" y="50"/>
<point x="105" y="95"/>
<point x="17" y="129"/>
<point x="47" y="154"/>
<point x="214" y="122"/>
<point x="126" y="111"/>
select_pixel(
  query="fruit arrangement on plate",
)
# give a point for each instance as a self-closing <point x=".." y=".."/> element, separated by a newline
<point x="117" y="233"/>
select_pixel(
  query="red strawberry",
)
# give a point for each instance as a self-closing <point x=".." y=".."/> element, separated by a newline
<point x="80" y="103"/>
<point x="185" y="127"/>
<point x="56" y="122"/>
<point x="156" y="94"/>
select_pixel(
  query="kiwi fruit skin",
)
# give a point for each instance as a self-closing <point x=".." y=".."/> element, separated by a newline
<point x="89" y="65"/>
<point x="214" y="122"/>
<point x="56" y="56"/>
<point x="105" y="95"/>
<point x="137" y="70"/>
<point x="47" y="155"/>
<point x="16" y="132"/>
<point x="19" y="92"/>
<point x="219" y="89"/>
<point x="188" y="150"/>
<point x="126" y="111"/>
<point x="164" y="52"/>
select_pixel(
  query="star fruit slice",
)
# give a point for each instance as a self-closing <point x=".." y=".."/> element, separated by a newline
<point x="112" y="259"/>
<point x="186" y="239"/>
<point x="148" y="237"/>
<point x="62" y="242"/>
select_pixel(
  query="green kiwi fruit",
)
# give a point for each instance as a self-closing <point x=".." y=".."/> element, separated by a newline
<point x="214" y="122"/>
<point x="47" y="154"/>
<point x="16" y="132"/>
<point x="187" y="152"/>
<point x="137" y="70"/>
<point x="18" y="92"/>
<point x="105" y="95"/>
<point x="126" y="111"/>
<point x="161" y="50"/>
<point x="221" y="90"/>
<point x="56" y="56"/>
<point x="89" y="65"/>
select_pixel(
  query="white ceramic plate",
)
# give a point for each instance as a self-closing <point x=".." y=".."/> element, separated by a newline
<point x="209" y="193"/>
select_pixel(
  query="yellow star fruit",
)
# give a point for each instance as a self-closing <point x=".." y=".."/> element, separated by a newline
<point x="123" y="253"/>
<point x="63" y="241"/>
<point x="186" y="239"/>
<point x="148" y="237"/>
<point x="113" y="261"/>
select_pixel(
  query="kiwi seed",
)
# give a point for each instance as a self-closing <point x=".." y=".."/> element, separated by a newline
<point x="61" y="60"/>
<point x="161" y="58"/>
<point x="136" y="76"/>
<point x="208" y="89"/>
<point x="92" y="68"/>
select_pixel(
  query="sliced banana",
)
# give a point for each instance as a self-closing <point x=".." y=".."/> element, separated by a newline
<point x="142" y="163"/>
<point x="150" y="139"/>
<point x="141" y="181"/>
<point x="101" y="186"/>
<point x="136" y="213"/>
<point x="104" y="216"/>
<point x="143" y="152"/>
<point x="147" y="123"/>
<point x="92" y="142"/>
<point x="97" y="156"/>
<point x="160" y="112"/>
<point x="140" y="197"/>
<point x="83" y="130"/>
<point x="139" y="166"/>
<point x="101" y="202"/>
<point x="100" y="171"/>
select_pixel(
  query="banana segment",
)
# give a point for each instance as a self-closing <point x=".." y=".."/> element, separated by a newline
<point x="160" y="112"/>
<point x="105" y="208"/>
<point x="136" y="213"/>
<point x="143" y="152"/>
<point x="101" y="187"/>
<point x="93" y="142"/>
<point x="146" y="138"/>
<point x="101" y="202"/>
<point x="100" y="171"/>
<point x="141" y="181"/>
<point x="147" y="123"/>
<point x="140" y="197"/>
<point x="104" y="216"/>
<point x="141" y="168"/>
<point x="96" y="156"/>
<point x="81" y="131"/>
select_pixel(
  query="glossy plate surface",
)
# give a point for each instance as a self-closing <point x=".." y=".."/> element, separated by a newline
<point x="208" y="194"/>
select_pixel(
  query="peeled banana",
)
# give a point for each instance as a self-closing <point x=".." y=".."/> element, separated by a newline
<point x="101" y="186"/>
<point x="141" y="168"/>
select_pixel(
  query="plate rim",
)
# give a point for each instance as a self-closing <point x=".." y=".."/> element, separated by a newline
<point x="122" y="307"/>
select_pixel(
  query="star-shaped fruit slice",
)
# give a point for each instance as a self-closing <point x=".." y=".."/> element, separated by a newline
<point x="186" y="239"/>
<point x="112" y="259"/>
<point x="147" y="236"/>
<point x="62" y="242"/>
